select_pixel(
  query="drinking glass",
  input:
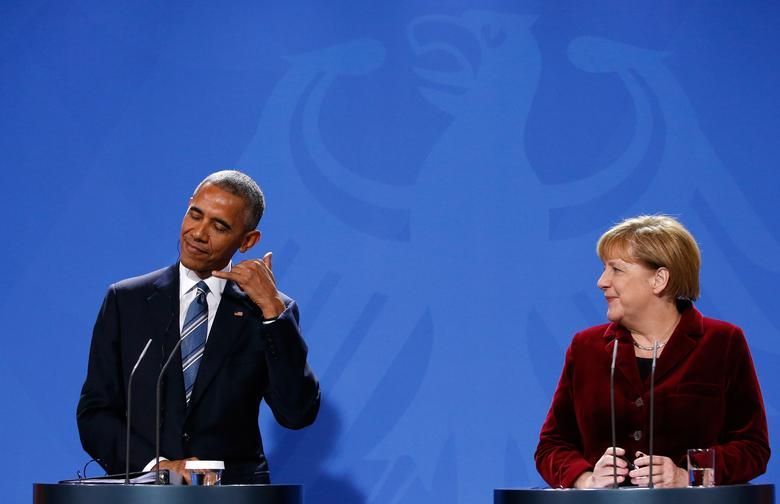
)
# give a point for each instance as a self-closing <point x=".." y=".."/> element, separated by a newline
<point x="205" y="472"/>
<point x="701" y="467"/>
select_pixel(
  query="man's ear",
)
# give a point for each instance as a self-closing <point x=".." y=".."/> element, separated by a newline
<point x="660" y="280"/>
<point x="250" y="239"/>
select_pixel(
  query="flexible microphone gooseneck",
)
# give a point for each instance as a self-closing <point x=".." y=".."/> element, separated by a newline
<point x="652" y="411"/>
<point x="130" y="409"/>
<point x="612" y="412"/>
<point x="157" y="417"/>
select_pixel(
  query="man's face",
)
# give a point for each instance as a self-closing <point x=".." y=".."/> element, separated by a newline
<point x="213" y="228"/>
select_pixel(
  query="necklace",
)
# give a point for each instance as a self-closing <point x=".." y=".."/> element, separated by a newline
<point x="660" y="345"/>
<point x="648" y="349"/>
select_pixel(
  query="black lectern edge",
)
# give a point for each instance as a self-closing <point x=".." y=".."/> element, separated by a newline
<point x="52" y="493"/>
<point x="622" y="489"/>
<point x="748" y="493"/>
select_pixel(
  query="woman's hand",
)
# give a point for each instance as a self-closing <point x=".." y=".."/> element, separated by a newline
<point x="665" y="473"/>
<point x="602" y="475"/>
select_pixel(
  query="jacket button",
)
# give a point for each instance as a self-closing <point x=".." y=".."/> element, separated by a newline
<point x="637" y="435"/>
<point x="639" y="402"/>
<point x="186" y="437"/>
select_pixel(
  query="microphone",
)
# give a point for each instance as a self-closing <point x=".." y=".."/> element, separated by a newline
<point x="157" y="417"/>
<point x="612" y="412"/>
<point x="129" y="409"/>
<point x="652" y="412"/>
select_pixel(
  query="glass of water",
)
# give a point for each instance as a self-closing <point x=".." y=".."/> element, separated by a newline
<point x="205" y="472"/>
<point x="701" y="467"/>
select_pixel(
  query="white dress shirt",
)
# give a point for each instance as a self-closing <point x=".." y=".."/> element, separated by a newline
<point x="188" y="279"/>
<point x="187" y="293"/>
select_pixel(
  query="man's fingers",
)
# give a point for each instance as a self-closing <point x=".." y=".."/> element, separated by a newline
<point x="185" y="473"/>
<point x="178" y="466"/>
<point x="252" y="265"/>
<point x="227" y="275"/>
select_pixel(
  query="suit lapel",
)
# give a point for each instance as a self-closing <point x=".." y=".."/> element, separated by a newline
<point x="682" y="342"/>
<point x="228" y="327"/>
<point x="625" y="364"/>
<point x="163" y="306"/>
<point x="163" y="302"/>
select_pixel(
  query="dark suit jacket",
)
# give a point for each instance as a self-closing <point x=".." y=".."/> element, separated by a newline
<point x="706" y="395"/>
<point x="244" y="362"/>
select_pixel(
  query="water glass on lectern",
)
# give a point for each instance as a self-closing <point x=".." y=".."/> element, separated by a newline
<point x="701" y="467"/>
<point x="205" y="472"/>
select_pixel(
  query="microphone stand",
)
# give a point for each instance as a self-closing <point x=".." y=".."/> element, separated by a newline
<point x="652" y="411"/>
<point x="157" y="417"/>
<point x="612" y="412"/>
<point x="129" y="410"/>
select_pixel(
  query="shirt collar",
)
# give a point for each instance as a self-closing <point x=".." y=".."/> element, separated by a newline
<point x="188" y="279"/>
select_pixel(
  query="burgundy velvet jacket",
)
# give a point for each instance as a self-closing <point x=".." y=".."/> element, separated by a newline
<point x="706" y="395"/>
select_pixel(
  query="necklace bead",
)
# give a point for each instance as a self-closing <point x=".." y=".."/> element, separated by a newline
<point x="648" y="349"/>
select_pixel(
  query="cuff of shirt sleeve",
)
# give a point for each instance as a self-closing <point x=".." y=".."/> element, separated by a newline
<point x="152" y="463"/>
<point x="285" y="313"/>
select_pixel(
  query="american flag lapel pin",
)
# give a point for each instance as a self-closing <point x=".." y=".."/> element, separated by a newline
<point x="238" y="314"/>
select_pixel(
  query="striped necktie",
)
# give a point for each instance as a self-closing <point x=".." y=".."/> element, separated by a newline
<point x="193" y="336"/>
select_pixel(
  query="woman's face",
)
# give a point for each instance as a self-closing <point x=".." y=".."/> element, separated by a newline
<point x="629" y="289"/>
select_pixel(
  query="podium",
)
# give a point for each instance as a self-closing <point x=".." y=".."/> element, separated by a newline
<point x="164" y="494"/>
<point x="732" y="494"/>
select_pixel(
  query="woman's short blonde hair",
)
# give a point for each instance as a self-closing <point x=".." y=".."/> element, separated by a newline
<point x="657" y="241"/>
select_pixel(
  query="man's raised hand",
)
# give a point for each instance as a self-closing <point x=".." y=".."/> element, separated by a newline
<point x="256" y="279"/>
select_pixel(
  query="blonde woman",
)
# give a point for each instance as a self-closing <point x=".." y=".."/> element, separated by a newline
<point x="706" y="391"/>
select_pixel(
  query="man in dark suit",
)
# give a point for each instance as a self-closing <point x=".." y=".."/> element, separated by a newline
<point x="240" y="343"/>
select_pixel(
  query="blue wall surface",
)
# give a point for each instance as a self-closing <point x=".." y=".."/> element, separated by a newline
<point x="437" y="174"/>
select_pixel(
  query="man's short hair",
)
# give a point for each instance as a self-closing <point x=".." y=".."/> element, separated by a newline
<point x="657" y="241"/>
<point x="241" y="185"/>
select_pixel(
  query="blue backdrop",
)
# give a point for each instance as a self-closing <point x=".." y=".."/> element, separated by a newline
<point x="437" y="174"/>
